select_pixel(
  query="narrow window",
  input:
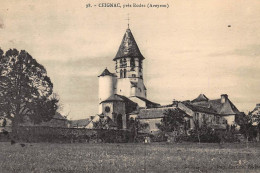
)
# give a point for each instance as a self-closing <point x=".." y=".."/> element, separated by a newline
<point x="121" y="73"/>
<point x="124" y="63"/>
<point x="132" y="64"/>
<point x="124" y="73"/>
<point x="121" y="63"/>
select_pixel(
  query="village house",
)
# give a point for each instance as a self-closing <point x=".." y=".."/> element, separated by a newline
<point x="222" y="107"/>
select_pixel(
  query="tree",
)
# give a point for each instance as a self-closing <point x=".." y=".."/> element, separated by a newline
<point x="172" y="121"/>
<point x="203" y="132"/>
<point x="136" y="126"/>
<point x="255" y="118"/>
<point x="247" y="128"/>
<point x="25" y="88"/>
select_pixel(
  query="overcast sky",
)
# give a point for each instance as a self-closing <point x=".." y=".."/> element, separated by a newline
<point x="188" y="48"/>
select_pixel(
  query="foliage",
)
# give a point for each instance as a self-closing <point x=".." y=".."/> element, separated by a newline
<point x="172" y="121"/>
<point x="25" y="88"/>
<point x="135" y="126"/>
<point x="104" y="122"/>
<point x="204" y="134"/>
<point x="247" y="128"/>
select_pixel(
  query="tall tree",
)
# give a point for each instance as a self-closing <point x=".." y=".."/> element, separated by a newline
<point x="25" y="88"/>
<point x="172" y="121"/>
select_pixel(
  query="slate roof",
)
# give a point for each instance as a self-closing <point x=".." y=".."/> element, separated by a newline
<point x="154" y="113"/>
<point x="227" y="108"/>
<point x="106" y="73"/>
<point x="197" y="108"/>
<point x="79" y="123"/>
<point x="128" y="47"/>
<point x="113" y="97"/>
<point x="200" y="98"/>
<point x="151" y="113"/>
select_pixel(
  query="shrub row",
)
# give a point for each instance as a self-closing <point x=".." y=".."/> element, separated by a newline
<point x="69" y="135"/>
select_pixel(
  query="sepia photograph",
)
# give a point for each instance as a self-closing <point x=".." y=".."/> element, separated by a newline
<point x="92" y="86"/>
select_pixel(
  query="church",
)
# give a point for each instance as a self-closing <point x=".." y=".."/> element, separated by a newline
<point x="123" y="95"/>
<point x="124" y="91"/>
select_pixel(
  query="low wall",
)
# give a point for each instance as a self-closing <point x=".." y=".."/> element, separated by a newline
<point x="69" y="135"/>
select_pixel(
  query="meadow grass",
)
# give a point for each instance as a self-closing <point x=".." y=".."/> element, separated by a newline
<point x="155" y="157"/>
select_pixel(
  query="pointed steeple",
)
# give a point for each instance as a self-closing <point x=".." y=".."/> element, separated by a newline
<point x="128" y="47"/>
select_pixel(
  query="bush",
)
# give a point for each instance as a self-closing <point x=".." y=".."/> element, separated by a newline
<point x="208" y="135"/>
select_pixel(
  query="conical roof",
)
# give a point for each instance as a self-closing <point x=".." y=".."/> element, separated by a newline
<point x="106" y="73"/>
<point x="128" y="47"/>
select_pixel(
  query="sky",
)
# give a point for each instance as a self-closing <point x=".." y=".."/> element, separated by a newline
<point x="192" y="47"/>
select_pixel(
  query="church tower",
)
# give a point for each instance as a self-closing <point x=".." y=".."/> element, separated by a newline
<point x="129" y="68"/>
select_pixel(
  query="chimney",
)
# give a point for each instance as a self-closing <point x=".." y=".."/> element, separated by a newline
<point x="175" y="102"/>
<point x="224" y="98"/>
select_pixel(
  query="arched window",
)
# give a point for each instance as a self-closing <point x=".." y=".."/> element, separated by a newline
<point x="121" y="73"/>
<point x="124" y="73"/>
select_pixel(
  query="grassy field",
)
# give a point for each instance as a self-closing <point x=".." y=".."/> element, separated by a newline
<point x="183" y="157"/>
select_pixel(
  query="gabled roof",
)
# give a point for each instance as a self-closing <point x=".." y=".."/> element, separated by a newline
<point x="197" y="108"/>
<point x="227" y="108"/>
<point x="106" y="73"/>
<point x="126" y="99"/>
<point x="200" y="98"/>
<point x="128" y="47"/>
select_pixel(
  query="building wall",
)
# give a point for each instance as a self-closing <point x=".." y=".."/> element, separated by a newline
<point x="107" y="87"/>
<point x="209" y="119"/>
<point x="110" y="106"/>
<point x="152" y="124"/>
<point x="124" y="86"/>
<point x="116" y="108"/>
<point x="230" y="119"/>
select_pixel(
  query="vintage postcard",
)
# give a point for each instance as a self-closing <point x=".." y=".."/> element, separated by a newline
<point x="129" y="86"/>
